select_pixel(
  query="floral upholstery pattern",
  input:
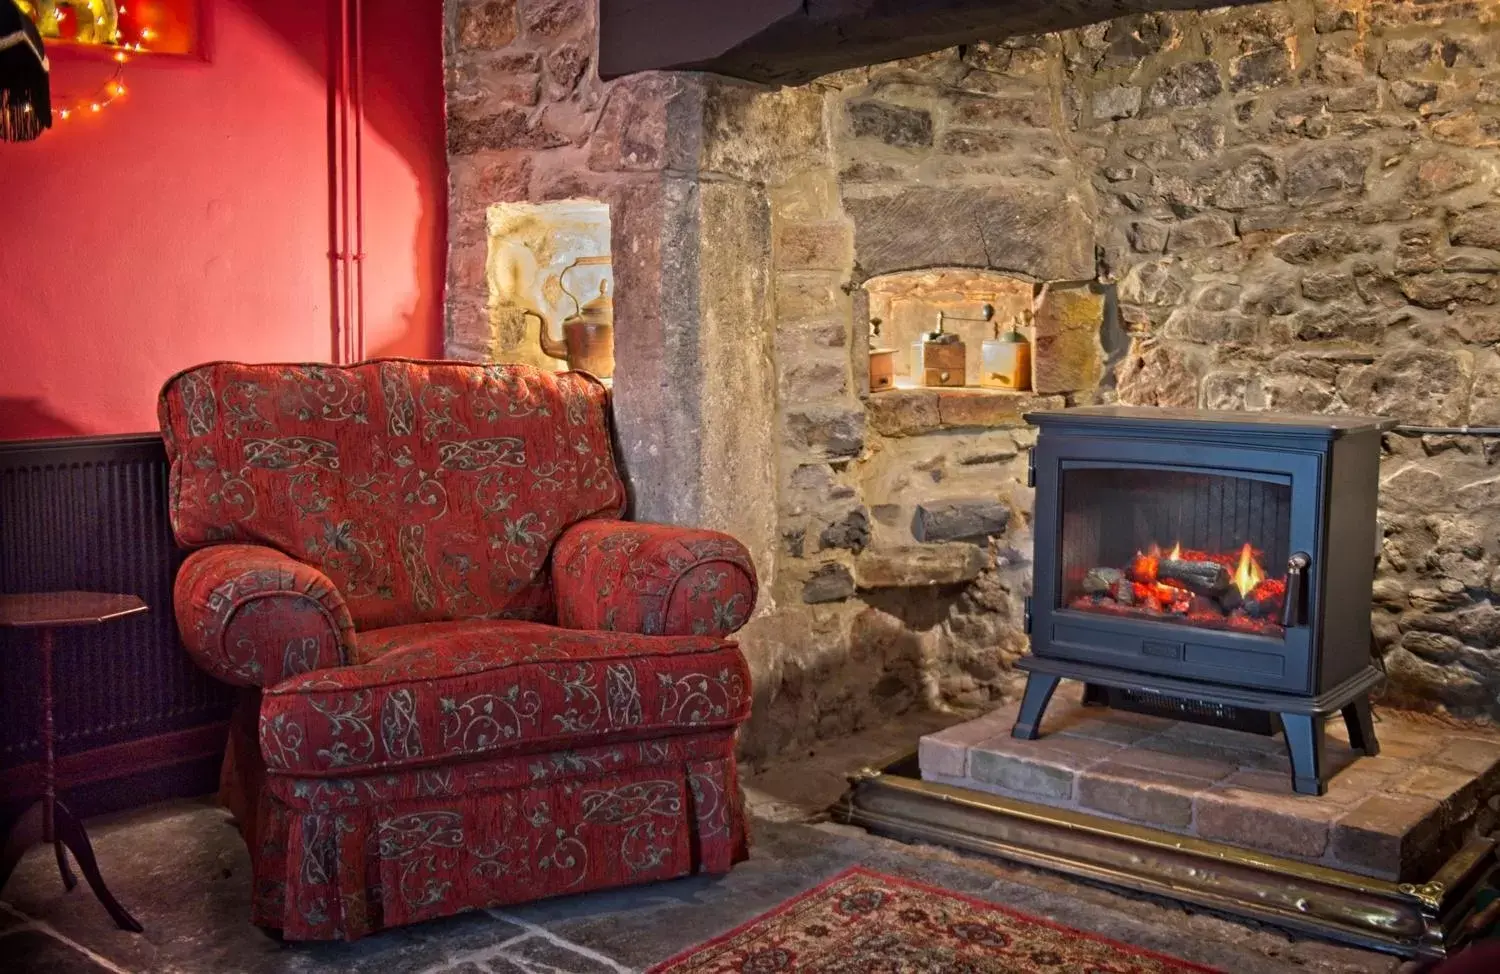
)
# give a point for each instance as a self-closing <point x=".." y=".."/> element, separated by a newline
<point x="384" y="549"/>
<point x="423" y="490"/>
<point x="253" y="617"/>
<point x="346" y="872"/>
<point x="463" y="690"/>
<point x="652" y="579"/>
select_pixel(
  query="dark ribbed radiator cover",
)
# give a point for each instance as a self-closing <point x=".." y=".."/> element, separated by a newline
<point x="91" y="513"/>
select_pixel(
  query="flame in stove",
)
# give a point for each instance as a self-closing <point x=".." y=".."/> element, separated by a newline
<point x="1176" y="554"/>
<point x="1249" y="573"/>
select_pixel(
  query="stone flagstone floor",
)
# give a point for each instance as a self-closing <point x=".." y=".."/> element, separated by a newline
<point x="182" y="870"/>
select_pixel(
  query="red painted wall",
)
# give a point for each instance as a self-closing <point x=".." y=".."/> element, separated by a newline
<point x="189" y="221"/>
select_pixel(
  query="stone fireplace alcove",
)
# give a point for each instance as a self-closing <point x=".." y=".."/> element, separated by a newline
<point x="1283" y="205"/>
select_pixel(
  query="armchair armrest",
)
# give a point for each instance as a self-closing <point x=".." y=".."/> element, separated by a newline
<point x="253" y="616"/>
<point x="652" y="579"/>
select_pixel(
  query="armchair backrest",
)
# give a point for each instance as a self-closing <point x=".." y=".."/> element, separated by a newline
<point x="424" y="490"/>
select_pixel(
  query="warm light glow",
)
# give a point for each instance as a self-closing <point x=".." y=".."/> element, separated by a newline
<point x="64" y="113"/>
<point x="1248" y="574"/>
<point x="1176" y="554"/>
<point x="95" y="106"/>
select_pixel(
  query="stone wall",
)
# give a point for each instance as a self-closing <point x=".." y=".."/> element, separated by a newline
<point x="1290" y="205"/>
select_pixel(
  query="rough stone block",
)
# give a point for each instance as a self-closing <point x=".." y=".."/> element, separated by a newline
<point x="972" y="407"/>
<point x="918" y="566"/>
<point x="1066" y="353"/>
<point x="1045" y="233"/>
<point x="549" y="18"/>
<point x="809" y="381"/>
<point x="1208" y="230"/>
<point x="487" y="26"/>
<point x="1002" y="110"/>
<point x="1045" y="768"/>
<point x="809" y="297"/>
<point x="1261" y="69"/>
<point x="1385" y="835"/>
<point x="826" y="246"/>
<point x="511" y="128"/>
<point x="1326" y="172"/>
<point x="631" y="135"/>
<point x="974" y="520"/>
<point x="1184" y="85"/>
<point x="1441" y="174"/>
<point x="1148" y="237"/>
<point x="903" y="412"/>
<point x="830" y="430"/>
<point x="850" y="532"/>
<point x="830" y="583"/>
<point x="1335" y="15"/>
<point x="891" y="124"/>
<point x="1119" y="101"/>
<point x="1141" y="795"/>
<point x="1477" y="228"/>
<point x="1286" y="825"/>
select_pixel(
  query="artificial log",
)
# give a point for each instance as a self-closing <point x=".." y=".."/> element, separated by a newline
<point x="1199" y="577"/>
<point x="1261" y="608"/>
<point x="1102" y="581"/>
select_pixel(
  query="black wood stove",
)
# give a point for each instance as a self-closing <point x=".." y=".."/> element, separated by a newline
<point x="1209" y="566"/>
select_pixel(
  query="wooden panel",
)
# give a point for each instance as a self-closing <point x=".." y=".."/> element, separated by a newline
<point x="90" y="513"/>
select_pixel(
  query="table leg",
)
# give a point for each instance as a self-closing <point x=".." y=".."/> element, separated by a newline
<point x="26" y="833"/>
<point x="69" y="880"/>
<point x="49" y="755"/>
<point x="77" y="840"/>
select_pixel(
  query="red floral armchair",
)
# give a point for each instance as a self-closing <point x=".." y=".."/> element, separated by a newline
<point x="466" y="682"/>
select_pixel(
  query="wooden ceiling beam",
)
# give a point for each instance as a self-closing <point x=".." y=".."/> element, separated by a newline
<point x="794" y="41"/>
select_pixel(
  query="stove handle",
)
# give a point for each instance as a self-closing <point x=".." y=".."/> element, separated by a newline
<point x="1292" y="613"/>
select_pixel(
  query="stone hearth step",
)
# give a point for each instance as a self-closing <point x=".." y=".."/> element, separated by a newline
<point x="1395" y="817"/>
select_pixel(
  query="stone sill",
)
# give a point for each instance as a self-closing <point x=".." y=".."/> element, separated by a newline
<point x="912" y="412"/>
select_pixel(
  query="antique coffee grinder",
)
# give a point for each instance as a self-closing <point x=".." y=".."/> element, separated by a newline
<point x="882" y="361"/>
<point x="939" y="357"/>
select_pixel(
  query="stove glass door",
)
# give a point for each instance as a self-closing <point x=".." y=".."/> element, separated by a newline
<point x="1189" y="548"/>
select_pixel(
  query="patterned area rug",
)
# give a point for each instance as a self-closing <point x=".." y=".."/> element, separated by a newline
<point x="863" y="922"/>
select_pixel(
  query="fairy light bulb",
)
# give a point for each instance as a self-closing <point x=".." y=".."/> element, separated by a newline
<point x="95" y="106"/>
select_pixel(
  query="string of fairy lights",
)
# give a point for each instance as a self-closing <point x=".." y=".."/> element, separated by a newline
<point x="113" y="89"/>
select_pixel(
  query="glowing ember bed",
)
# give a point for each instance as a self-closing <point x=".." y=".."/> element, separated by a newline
<point x="1207" y="565"/>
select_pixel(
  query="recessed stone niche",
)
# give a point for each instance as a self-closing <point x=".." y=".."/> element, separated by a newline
<point x="907" y="305"/>
<point x="544" y="261"/>
<point x="1067" y="354"/>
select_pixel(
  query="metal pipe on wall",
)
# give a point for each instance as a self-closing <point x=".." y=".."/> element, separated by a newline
<point x="346" y="184"/>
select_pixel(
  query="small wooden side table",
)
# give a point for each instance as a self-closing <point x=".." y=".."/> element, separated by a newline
<point x="48" y="822"/>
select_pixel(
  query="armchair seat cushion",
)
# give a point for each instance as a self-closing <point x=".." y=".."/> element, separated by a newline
<point x="444" y="692"/>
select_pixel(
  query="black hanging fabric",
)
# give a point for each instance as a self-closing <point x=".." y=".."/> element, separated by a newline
<point x="25" y="96"/>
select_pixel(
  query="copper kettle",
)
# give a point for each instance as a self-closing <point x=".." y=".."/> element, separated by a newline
<point x="588" y="342"/>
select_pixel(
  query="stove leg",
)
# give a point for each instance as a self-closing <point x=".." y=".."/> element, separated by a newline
<point x="1039" y="687"/>
<point x="1304" y="745"/>
<point x="1361" y="726"/>
<point x="1095" y="695"/>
